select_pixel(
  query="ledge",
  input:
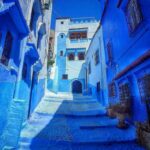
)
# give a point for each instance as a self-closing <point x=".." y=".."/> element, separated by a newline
<point x="32" y="51"/>
<point x="137" y="62"/>
<point x="12" y="7"/>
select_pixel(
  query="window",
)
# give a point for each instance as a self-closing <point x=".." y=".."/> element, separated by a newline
<point x="64" y="76"/>
<point x="89" y="68"/>
<point x="32" y="19"/>
<point x="109" y="51"/>
<point x="78" y="35"/>
<point x="124" y="92"/>
<point x="133" y="14"/>
<point x="144" y="87"/>
<point x="71" y="56"/>
<point x="62" y="22"/>
<point x="112" y="89"/>
<point x="24" y="71"/>
<point x="96" y="57"/>
<point x="98" y="87"/>
<point x="81" y="56"/>
<point x="7" y="49"/>
<point x="61" y="53"/>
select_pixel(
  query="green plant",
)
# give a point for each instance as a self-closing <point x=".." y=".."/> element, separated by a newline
<point x="50" y="62"/>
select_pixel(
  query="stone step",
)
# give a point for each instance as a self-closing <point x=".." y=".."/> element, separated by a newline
<point x="62" y="145"/>
<point x="68" y="96"/>
<point x="105" y="134"/>
<point x="57" y="100"/>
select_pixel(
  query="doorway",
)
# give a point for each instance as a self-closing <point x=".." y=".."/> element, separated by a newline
<point x="77" y="87"/>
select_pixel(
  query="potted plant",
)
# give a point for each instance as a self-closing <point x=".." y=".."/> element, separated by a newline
<point x="123" y="113"/>
<point x="143" y="134"/>
<point x="112" y="109"/>
<point x="143" y="129"/>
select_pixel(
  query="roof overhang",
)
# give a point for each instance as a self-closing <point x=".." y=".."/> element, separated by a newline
<point x="32" y="52"/>
<point x="135" y="63"/>
<point x="12" y="7"/>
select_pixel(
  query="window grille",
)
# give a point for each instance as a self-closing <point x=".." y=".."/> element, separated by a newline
<point x="78" y="35"/>
<point x="124" y="92"/>
<point x="112" y="90"/>
<point x="133" y="14"/>
<point x="144" y="87"/>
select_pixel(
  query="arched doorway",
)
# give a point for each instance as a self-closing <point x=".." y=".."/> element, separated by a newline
<point x="77" y="87"/>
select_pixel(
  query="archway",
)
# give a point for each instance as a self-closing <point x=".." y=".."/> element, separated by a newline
<point x="76" y="87"/>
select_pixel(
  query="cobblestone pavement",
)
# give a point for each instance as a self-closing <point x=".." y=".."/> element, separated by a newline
<point x="74" y="123"/>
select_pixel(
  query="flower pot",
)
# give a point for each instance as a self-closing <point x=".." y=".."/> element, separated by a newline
<point x="146" y="139"/>
<point x="143" y="135"/>
<point x="111" y="113"/>
<point x="121" y="124"/>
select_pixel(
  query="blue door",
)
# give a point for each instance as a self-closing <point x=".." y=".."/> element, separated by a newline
<point x="77" y="87"/>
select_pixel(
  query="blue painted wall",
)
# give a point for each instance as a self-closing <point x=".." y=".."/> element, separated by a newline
<point x="20" y="96"/>
<point x="126" y="48"/>
<point x="98" y="71"/>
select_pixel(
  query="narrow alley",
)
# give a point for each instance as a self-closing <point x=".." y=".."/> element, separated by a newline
<point x="66" y="122"/>
<point x="74" y="75"/>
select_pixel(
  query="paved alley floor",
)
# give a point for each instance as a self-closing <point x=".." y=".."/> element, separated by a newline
<point x="63" y="122"/>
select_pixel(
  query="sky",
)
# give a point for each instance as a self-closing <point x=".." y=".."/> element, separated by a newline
<point x="75" y="9"/>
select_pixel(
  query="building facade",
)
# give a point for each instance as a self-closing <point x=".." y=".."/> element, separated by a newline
<point x="96" y="82"/>
<point x="72" y="38"/>
<point x="24" y="36"/>
<point x="125" y="31"/>
<point x="51" y="45"/>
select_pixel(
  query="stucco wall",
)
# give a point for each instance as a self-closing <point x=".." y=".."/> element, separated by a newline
<point x="127" y="47"/>
<point x="74" y="69"/>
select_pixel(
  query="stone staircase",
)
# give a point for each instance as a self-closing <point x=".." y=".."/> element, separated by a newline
<point x="66" y="122"/>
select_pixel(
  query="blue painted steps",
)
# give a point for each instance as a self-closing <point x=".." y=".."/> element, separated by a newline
<point x="63" y="130"/>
